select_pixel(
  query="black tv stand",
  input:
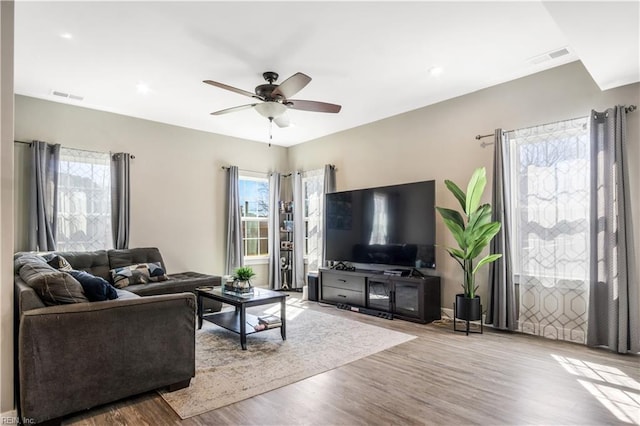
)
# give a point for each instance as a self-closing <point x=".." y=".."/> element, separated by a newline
<point x="412" y="298"/>
<point x="416" y="273"/>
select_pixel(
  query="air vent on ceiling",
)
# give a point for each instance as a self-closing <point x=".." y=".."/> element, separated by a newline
<point x="66" y="95"/>
<point x="554" y="54"/>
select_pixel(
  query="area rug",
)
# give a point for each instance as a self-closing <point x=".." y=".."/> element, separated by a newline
<point x="316" y="342"/>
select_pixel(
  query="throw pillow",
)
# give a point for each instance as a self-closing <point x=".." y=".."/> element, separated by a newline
<point x="129" y="275"/>
<point x="95" y="288"/>
<point x="53" y="287"/>
<point x="156" y="272"/>
<point x="141" y="273"/>
<point x="60" y="263"/>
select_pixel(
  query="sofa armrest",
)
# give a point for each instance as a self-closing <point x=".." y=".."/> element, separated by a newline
<point x="73" y="357"/>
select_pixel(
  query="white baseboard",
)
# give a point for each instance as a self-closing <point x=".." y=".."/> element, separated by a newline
<point x="447" y="313"/>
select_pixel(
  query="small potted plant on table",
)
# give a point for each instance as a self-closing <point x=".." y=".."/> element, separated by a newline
<point x="241" y="280"/>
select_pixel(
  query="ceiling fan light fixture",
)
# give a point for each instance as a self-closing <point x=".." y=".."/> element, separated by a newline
<point x="270" y="109"/>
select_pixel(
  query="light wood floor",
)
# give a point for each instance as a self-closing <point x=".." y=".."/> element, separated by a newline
<point x="442" y="377"/>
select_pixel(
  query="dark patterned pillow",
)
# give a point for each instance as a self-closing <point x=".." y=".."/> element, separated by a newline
<point x="129" y="275"/>
<point x="60" y="263"/>
<point x="95" y="288"/>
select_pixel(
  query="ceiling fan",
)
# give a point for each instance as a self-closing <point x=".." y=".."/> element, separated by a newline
<point x="275" y="99"/>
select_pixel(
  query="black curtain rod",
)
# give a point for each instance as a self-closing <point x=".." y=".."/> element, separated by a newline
<point x="133" y="157"/>
<point x="267" y="173"/>
<point x="628" y="109"/>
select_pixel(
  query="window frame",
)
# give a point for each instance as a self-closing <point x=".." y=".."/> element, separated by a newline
<point x="244" y="220"/>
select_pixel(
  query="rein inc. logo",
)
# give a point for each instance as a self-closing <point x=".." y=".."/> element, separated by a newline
<point x="5" y="420"/>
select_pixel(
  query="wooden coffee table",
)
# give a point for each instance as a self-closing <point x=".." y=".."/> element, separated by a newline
<point x="236" y="321"/>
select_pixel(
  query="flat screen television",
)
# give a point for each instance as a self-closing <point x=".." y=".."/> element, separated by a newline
<point x="389" y="225"/>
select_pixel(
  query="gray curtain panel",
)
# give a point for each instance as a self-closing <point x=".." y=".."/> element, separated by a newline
<point x="120" y="199"/>
<point x="328" y="187"/>
<point x="502" y="306"/>
<point x="614" y="318"/>
<point x="275" y="277"/>
<point x="45" y="166"/>
<point x="329" y="179"/>
<point x="298" y="232"/>
<point x="235" y="256"/>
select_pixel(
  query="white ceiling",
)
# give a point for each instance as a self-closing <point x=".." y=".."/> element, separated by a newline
<point x="371" y="57"/>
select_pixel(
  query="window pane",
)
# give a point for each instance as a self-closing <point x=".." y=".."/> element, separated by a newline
<point x="254" y="209"/>
<point x="264" y="229"/>
<point x="84" y="201"/>
<point x="252" y="229"/>
<point x="254" y="197"/>
<point x="264" y="246"/>
<point x="251" y="247"/>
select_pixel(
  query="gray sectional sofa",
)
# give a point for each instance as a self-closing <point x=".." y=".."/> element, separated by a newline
<point x="74" y="356"/>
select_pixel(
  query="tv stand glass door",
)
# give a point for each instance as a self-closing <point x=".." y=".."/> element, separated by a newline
<point x="407" y="297"/>
<point x="380" y="294"/>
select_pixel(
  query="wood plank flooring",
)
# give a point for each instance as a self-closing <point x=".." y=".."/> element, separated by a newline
<point x="440" y="378"/>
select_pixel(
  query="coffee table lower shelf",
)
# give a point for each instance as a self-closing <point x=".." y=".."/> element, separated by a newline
<point x="231" y="321"/>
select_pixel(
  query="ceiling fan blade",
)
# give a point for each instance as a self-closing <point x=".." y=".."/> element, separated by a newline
<point x="282" y="120"/>
<point x="292" y="85"/>
<point x="231" y="88"/>
<point x="233" y="109"/>
<point x="313" y="106"/>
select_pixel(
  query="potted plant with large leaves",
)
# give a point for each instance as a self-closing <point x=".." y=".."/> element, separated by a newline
<point x="473" y="230"/>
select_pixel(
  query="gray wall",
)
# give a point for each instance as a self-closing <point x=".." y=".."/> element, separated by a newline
<point x="438" y="142"/>
<point x="178" y="190"/>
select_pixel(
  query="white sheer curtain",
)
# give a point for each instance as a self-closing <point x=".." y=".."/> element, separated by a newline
<point x="317" y="183"/>
<point x="298" y="231"/>
<point x="551" y="202"/>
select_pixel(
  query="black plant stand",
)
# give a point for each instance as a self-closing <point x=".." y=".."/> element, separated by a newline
<point x="467" y="330"/>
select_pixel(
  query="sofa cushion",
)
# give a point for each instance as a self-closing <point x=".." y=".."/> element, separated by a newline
<point x="178" y="283"/>
<point x="58" y="262"/>
<point x="54" y="287"/>
<point x="94" y="262"/>
<point x="96" y="289"/>
<point x="134" y="256"/>
<point x="126" y="295"/>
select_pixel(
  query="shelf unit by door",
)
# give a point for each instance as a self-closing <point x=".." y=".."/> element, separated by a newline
<point x="286" y="244"/>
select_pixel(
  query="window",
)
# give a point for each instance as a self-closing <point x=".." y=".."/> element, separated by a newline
<point x="84" y="201"/>
<point x="550" y="193"/>
<point x="551" y="201"/>
<point x="254" y="210"/>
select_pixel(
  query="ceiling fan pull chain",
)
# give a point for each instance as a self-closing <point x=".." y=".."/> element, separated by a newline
<point x="270" y="130"/>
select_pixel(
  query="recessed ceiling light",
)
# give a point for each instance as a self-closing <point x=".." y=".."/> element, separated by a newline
<point x="68" y="36"/>
<point x="143" y="88"/>
<point x="434" y="71"/>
